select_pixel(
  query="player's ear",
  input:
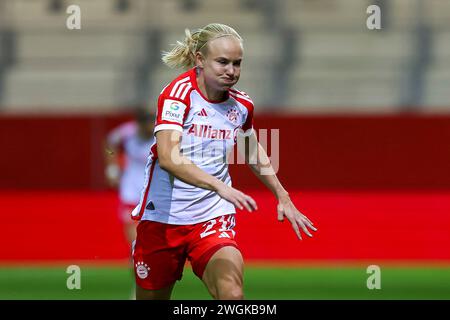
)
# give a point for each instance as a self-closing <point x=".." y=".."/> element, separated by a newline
<point x="199" y="59"/>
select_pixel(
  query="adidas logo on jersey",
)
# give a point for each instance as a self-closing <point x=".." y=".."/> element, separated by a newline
<point x="202" y="113"/>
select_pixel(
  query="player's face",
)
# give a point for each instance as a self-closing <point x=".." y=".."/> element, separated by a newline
<point x="222" y="63"/>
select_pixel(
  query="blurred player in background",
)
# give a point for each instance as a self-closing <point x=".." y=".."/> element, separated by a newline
<point x="188" y="205"/>
<point x="127" y="148"/>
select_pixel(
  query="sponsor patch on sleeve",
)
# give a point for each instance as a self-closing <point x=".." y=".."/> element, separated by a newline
<point x="173" y="111"/>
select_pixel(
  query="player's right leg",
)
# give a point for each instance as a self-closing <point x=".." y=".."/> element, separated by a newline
<point x="158" y="259"/>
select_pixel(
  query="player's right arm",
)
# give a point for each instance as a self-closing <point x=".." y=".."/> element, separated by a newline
<point x="171" y="160"/>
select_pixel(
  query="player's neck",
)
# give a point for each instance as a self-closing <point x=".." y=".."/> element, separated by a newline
<point x="210" y="93"/>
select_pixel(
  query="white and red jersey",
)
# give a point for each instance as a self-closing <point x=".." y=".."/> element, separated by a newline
<point x="208" y="132"/>
<point x="136" y="152"/>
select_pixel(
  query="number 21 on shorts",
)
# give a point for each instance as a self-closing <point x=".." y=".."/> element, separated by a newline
<point x="228" y="223"/>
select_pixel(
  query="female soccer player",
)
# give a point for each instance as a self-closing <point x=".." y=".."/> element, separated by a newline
<point x="187" y="205"/>
<point x="129" y="141"/>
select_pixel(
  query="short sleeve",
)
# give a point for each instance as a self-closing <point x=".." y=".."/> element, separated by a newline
<point x="171" y="114"/>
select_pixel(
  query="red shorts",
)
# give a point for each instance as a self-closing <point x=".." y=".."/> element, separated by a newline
<point x="161" y="249"/>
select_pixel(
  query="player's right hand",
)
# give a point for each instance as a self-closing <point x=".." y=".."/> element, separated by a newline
<point x="237" y="198"/>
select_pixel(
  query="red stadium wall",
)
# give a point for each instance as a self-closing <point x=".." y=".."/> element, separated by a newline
<point x="316" y="152"/>
<point x="352" y="226"/>
<point x="50" y="167"/>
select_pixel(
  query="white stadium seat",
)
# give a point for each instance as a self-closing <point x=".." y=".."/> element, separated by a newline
<point x="336" y="61"/>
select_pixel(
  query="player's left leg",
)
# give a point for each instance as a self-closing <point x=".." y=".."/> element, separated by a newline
<point x="223" y="275"/>
<point x="215" y="257"/>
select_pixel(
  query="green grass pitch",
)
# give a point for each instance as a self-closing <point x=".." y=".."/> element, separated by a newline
<point x="261" y="282"/>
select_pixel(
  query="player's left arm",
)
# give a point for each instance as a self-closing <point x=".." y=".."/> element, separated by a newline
<point x="264" y="171"/>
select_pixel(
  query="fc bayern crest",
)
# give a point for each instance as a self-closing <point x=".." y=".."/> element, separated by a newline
<point x="142" y="270"/>
<point x="233" y="115"/>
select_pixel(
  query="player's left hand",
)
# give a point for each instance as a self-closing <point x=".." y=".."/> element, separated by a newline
<point x="287" y="209"/>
